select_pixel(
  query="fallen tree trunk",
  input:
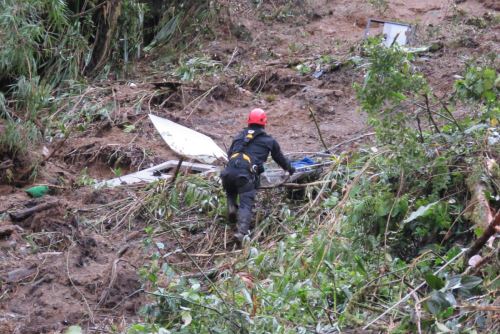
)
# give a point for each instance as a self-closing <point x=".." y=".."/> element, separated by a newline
<point x="480" y="212"/>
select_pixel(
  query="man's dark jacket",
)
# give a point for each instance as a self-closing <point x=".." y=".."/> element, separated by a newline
<point x="259" y="148"/>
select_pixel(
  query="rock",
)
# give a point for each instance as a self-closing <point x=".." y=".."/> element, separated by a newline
<point x="8" y="245"/>
<point x="19" y="274"/>
<point x="241" y="32"/>
<point x="436" y="46"/>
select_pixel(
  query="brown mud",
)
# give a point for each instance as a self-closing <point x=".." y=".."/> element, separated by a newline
<point x="63" y="266"/>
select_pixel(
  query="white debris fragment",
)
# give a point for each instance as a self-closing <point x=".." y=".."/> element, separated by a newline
<point x="474" y="261"/>
<point x="187" y="142"/>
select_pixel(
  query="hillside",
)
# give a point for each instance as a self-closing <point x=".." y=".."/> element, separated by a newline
<point x="378" y="241"/>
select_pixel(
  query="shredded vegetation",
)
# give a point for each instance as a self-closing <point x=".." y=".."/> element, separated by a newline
<point x="380" y="246"/>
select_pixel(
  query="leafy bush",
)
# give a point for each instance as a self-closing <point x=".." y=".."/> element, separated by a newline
<point x="16" y="138"/>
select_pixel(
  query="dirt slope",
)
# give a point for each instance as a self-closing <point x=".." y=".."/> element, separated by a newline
<point x="63" y="266"/>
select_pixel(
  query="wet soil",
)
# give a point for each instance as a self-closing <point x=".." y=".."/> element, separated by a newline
<point x="63" y="266"/>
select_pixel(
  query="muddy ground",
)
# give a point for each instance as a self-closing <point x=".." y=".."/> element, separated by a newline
<point x="64" y="266"/>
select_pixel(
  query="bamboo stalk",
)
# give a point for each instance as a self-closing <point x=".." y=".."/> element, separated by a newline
<point x="319" y="131"/>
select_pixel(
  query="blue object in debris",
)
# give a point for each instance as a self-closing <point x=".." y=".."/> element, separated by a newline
<point x="318" y="74"/>
<point x="303" y="163"/>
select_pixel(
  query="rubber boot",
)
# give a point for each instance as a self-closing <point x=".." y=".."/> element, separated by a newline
<point x="245" y="214"/>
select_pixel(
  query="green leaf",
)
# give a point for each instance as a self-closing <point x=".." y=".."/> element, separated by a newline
<point x="186" y="318"/>
<point x="442" y="328"/>
<point x="128" y="128"/>
<point x="422" y="211"/>
<point x="434" y="282"/>
<point x="489" y="74"/>
<point x="469" y="282"/>
<point x="478" y="231"/>
<point x="453" y="282"/>
<point x="489" y="96"/>
<point x="437" y="302"/>
<point x="450" y="298"/>
<point x="73" y="330"/>
<point x="247" y="296"/>
<point x="361" y="267"/>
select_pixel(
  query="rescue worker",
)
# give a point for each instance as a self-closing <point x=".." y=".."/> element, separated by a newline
<point x="241" y="177"/>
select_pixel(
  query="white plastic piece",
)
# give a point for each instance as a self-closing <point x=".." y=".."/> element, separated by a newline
<point x="187" y="142"/>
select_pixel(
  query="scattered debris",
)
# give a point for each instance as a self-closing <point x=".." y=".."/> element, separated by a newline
<point x="393" y="32"/>
<point x="7" y="230"/>
<point x="306" y="168"/>
<point x="475" y="260"/>
<point x="187" y="142"/>
<point x="494" y="138"/>
<point x="156" y="173"/>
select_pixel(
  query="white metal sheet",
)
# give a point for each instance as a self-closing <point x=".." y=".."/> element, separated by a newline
<point x="154" y="173"/>
<point x="391" y="30"/>
<point x="187" y="142"/>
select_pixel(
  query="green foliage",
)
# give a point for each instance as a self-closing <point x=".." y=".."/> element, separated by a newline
<point x="389" y="83"/>
<point x="182" y="22"/>
<point x="34" y="33"/>
<point x="481" y="85"/>
<point x="32" y="96"/>
<point x="3" y="107"/>
<point x="73" y="330"/>
<point x="282" y="11"/>
<point x="84" y="179"/>
<point x="188" y="69"/>
<point x="186" y="194"/>
<point x="303" y="69"/>
<point x="16" y="138"/>
<point x="444" y="296"/>
<point x="127" y="46"/>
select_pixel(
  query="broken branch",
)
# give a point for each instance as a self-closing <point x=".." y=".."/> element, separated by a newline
<point x="23" y="214"/>
<point x="299" y="185"/>
<point x="488" y="233"/>
<point x="319" y="131"/>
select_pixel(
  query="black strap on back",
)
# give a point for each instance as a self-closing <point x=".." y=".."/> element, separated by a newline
<point x="240" y="156"/>
<point x="249" y="137"/>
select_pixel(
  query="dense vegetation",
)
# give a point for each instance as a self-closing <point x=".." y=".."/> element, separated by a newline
<point x="389" y="226"/>
<point x="50" y="49"/>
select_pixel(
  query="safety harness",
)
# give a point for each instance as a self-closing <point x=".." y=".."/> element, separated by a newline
<point x="240" y="149"/>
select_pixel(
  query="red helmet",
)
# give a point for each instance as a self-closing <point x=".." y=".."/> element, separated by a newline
<point x="257" y="116"/>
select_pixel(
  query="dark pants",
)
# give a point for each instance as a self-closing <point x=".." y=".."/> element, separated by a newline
<point x="240" y="182"/>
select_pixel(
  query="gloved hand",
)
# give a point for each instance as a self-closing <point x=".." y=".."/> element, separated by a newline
<point x="291" y="170"/>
